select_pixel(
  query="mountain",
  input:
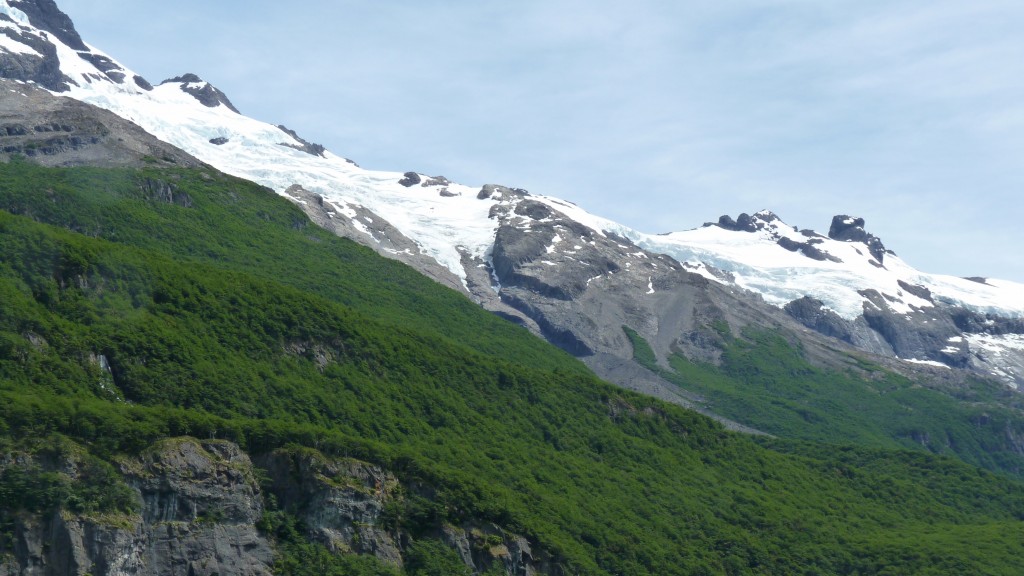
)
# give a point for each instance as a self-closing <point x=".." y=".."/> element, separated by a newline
<point x="195" y="379"/>
<point x="537" y="259"/>
<point x="582" y="282"/>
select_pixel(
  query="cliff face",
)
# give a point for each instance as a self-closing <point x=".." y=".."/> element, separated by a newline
<point x="199" y="509"/>
<point x="198" y="504"/>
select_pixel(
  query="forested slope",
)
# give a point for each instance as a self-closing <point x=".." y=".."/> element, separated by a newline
<point x="142" y="305"/>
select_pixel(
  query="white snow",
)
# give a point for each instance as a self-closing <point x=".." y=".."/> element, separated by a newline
<point x="14" y="47"/>
<point x="254" y="152"/>
<point x="1002" y="355"/>
<point x="442" y="225"/>
<point x="926" y="363"/>
<point x="13" y="13"/>
<point x="759" y="264"/>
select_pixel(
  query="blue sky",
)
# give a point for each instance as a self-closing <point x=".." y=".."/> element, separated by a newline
<point x="659" y="114"/>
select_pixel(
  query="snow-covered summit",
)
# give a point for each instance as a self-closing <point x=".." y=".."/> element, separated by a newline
<point x="764" y="254"/>
<point x="848" y="272"/>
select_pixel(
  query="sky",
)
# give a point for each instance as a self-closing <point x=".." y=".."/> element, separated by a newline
<point x="659" y="114"/>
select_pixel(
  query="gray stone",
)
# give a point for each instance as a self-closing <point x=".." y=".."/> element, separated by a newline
<point x="410" y="179"/>
<point x="55" y="131"/>
<point x="304" y="145"/>
<point x="207" y="94"/>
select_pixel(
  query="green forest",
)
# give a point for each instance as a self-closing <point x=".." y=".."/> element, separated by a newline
<point x="224" y="313"/>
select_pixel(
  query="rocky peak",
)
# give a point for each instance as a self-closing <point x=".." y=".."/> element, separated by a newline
<point x="747" y="223"/>
<point x="40" y="27"/>
<point x="207" y="94"/>
<point x="47" y="17"/>
<point x="849" y="229"/>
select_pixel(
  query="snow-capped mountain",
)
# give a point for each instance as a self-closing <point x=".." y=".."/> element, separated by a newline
<point x="573" y="277"/>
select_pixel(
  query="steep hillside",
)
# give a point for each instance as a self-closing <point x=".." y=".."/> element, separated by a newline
<point x="478" y="447"/>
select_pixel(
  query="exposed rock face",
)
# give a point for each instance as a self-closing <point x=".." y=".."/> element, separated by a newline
<point x="745" y="222"/>
<point x="927" y="334"/>
<point x="358" y="223"/>
<point x="45" y="15"/>
<point x="200" y="504"/>
<point x="341" y="502"/>
<point x="40" y="63"/>
<point x="41" y="67"/>
<point x="410" y="179"/>
<point x="56" y="131"/>
<point x="807" y="249"/>
<point x="207" y="94"/>
<point x="813" y="314"/>
<point x="304" y="145"/>
<point x="850" y="229"/>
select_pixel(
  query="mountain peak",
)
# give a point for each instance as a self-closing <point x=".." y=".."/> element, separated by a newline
<point x="207" y="94"/>
<point x="39" y="43"/>
<point x="851" y="229"/>
<point x="45" y="16"/>
<point x="747" y="223"/>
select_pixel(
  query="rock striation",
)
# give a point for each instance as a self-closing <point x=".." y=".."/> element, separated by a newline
<point x="201" y="505"/>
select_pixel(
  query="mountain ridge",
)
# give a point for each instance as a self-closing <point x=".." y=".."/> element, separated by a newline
<point x="197" y="379"/>
<point x="479" y="240"/>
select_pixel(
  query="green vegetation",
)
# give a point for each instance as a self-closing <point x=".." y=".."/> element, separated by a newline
<point x="126" y="319"/>
<point x="642" y="351"/>
<point x="765" y="382"/>
<point x="298" y="557"/>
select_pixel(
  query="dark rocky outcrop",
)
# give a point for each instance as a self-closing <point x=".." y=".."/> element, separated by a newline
<point x="562" y="336"/>
<point x="46" y="16"/>
<point x="812" y="313"/>
<point x="43" y="69"/>
<point x="745" y="222"/>
<point x="435" y="181"/>
<point x="807" y="249"/>
<point x="207" y="94"/>
<point x="976" y="323"/>
<point x="410" y="179"/>
<point x="848" y="229"/>
<point x="919" y="291"/>
<point x="533" y="210"/>
<point x="500" y="193"/>
<point x="142" y="83"/>
<point x="219" y="141"/>
<point x="105" y="65"/>
<point x="926" y="334"/>
<point x="304" y="145"/>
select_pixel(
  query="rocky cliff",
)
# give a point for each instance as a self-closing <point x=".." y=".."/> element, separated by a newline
<point x="201" y="508"/>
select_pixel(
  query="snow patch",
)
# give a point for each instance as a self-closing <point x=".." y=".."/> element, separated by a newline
<point x="926" y="363"/>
